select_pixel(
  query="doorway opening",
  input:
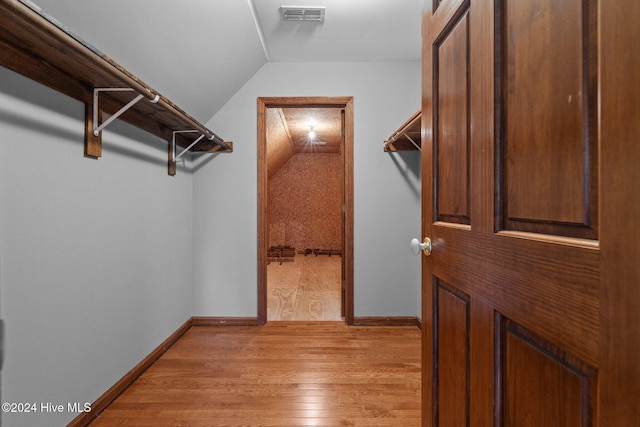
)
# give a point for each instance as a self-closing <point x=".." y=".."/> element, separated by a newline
<point x="305" y="207"/>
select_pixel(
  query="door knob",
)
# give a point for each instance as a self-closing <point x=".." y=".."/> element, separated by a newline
<point x="424" y="246"/>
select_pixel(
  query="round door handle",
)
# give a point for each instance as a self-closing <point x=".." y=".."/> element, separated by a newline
<point x="424" y="246"/>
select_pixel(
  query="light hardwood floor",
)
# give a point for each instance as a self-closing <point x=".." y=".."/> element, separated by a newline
<point x="306" y="289"/>
<point x="282" y="374"/>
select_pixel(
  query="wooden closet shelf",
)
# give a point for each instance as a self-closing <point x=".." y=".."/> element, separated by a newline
<point x="38" y="47"/>
<point x="408" y="136"/>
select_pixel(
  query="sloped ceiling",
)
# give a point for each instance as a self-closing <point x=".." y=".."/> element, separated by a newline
<point x="288" y="134"/>
<point x="326" y="123"/>
<point x="198" y="53"/>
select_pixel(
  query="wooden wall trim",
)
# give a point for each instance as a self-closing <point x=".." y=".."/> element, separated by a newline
<point x="262" y="211"/>
<point x="349" y="291"/>
<point x="388" y="321"/>
<point x="102" y="402"/>
<point x="224" y="321"/>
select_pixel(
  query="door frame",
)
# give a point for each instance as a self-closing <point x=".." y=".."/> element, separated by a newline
<point x="346" y="103"/>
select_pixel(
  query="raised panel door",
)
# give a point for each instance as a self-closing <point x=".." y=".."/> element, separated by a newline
<point x="512" y="289"/>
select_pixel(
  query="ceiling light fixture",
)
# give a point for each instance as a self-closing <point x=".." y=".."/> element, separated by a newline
<point x="293" y="13"/>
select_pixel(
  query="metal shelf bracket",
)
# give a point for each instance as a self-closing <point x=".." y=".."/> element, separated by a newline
<point x="173" y="142"/>
<point x="96" y="95"/>
<point x="406" y="135"/>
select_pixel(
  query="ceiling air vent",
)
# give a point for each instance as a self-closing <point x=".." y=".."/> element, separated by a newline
<point x="291" y="13"/>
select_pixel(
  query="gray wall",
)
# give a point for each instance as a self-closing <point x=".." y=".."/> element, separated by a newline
<point x="386" y="189"/>
<point x="95" y="254"/>
<point x="101" y="260"/>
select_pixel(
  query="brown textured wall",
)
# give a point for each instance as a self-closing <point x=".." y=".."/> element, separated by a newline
<point x="305" y="202"/>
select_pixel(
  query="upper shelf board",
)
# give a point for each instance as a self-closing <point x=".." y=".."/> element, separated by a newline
<point x="408" y="136"/>
<point x="39" y="47"/>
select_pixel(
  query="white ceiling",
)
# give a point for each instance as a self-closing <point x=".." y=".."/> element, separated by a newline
<point x="198" y="53"/>
<point x="353" y="30"/>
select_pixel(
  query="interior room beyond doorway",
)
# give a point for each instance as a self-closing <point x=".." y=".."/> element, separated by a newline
<point x="304" y="219"/>
<point x="304" y="204"/>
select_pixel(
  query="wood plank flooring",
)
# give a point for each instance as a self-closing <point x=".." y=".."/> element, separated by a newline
<point x="306" y="289"/>
<point x="282" y="374"/>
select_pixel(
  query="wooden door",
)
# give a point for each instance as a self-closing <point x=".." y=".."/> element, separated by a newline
<point x="525" y="291"/>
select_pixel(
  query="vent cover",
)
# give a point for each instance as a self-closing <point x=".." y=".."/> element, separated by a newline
<point x="292" y="13"/>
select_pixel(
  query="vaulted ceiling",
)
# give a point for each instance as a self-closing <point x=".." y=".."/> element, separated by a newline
<point x="198" y="53"/>
<point x="288" y="133"/>
<point x="314" y="130"/>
